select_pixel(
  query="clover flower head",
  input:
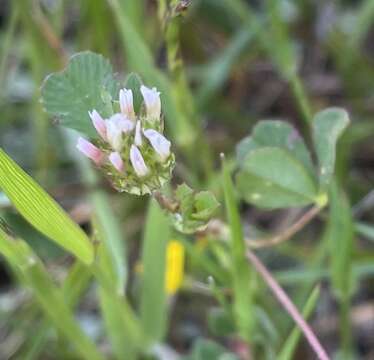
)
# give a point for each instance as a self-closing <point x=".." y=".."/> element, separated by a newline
<point x="131" y="148"/>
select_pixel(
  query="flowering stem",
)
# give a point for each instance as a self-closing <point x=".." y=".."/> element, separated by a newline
<point x="288" y="305"/>
<point x="170" y="18"/>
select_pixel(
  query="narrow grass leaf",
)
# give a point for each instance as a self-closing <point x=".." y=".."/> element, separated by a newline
<point x="241" y="275"/>
<point x="41" y="211"/>
<point x="339" y="233"/>
<point x="153" y="292"/>
<point x="289" y="347"/>
<point x="123" y="328"/>
<point x="49" y="297"/>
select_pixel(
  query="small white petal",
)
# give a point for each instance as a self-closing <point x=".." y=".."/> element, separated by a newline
<point x="99" y="123"/>
<point x="152" y="102"/>
<point x="126" y="103"/>
<point x="115" y="126"/>
<point x="137" y="162"/>
<point x="90" y="150"/>
<point x="138" y="134"/>
<point x="159" y="143"/>
<point x="116" y="160"/>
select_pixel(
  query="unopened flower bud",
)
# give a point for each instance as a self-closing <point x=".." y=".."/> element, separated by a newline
<point x="90" y="150"/>
<point x="152" y="102"/>
<point x="126" y="103"/>
<point x="159" y="143"/>
<point x="137" y="162"/>
<point x="116" y="160"/>
<point x="99" y="123"/>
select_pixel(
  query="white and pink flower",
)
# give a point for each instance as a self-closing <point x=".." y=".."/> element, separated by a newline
<point x="116" y="160"/>
<point x="99" y="123"/>
<point x="126" y="103"/>
<point x="159" y="143"/>
<point x="91" y="151"/>
<point x="116" y="125"/>
<point x="137" y="162"/>
<point x="152" y="102"/>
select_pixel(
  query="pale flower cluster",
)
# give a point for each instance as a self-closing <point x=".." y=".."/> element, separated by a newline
<point x="125" y="140"/>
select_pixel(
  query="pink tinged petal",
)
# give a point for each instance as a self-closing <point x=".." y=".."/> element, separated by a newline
<point x="138" y="134"/>
<point x="116" y="160"/>
<point x="90" y="150"/>
<point x="99" y="123"/>
<point x="159" y="143"/>
<point x="126" y="103"/>
<point x="152" y="102"/>
<point x="137" y="162"/>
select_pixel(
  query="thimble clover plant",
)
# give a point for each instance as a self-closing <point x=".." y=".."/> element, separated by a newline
<point x="122" y="133"/>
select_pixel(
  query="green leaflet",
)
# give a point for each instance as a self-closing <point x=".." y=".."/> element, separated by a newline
<point x="327" y="127"/>
<point x="87" y="83"/>
<point x="272" y="177"/>
<point x="275" y="133"/>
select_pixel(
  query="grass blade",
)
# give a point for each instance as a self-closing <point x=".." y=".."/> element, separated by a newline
<point x="49" y="297"/>
<point x="241" y="275"/>
<point x="292" y="340"/>
<point x="153" y="295"/>
<point x="41" y="211"/>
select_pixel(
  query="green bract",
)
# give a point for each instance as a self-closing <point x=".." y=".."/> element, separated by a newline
<point x="195" y="209"/>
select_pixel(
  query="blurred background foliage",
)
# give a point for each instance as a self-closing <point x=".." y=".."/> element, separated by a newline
<point x="221" y="66"/>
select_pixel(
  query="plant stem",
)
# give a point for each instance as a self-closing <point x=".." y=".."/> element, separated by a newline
<point x="288" y="305"/>
<point x="287" y="233"/>
<point x="301" y="97"/>
<point x="180" y="87"/>
<point x="345" y="326"/>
